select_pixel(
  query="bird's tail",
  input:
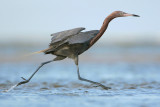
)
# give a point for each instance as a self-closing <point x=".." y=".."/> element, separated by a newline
<point x="36" y="52"/>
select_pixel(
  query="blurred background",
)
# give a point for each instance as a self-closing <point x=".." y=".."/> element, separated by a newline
<point x="26" y="27"/>
<point x="126" y="58"/>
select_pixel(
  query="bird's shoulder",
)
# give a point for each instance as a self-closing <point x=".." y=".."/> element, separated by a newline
<point x="82" y="37"/>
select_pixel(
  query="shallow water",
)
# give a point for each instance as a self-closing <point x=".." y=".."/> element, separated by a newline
<point x="133" y="83"/>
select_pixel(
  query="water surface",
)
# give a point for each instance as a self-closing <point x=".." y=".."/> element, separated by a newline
<point x="134" y="79"/>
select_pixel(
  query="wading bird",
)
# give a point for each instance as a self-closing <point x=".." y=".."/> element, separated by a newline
<point x="72" y="43"/>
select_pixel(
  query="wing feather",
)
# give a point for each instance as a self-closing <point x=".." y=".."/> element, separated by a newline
<point x="60" y="36"/>
<point x="83" y="37"/>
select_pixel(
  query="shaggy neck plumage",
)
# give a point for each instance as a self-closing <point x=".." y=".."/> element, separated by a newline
<point x="103" y="28"/>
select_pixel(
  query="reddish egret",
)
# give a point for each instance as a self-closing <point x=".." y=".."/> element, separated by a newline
<point x="72" y="43"/>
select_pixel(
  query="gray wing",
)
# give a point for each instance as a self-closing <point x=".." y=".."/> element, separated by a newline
<point x="60" y="36"/>
<point x="80" y="38"/>
<point x="83" y="37"/>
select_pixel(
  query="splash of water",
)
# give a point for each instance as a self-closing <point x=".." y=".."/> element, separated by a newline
<point x="10" y="88"/>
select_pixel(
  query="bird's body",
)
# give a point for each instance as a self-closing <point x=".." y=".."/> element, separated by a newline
<point x="72" y="43"/>
<point x="63" y="45"/>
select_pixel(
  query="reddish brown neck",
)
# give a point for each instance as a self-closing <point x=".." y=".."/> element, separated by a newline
<point x="103" y="29"/>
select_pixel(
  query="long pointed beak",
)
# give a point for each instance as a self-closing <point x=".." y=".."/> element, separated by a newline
<point x="135" y="15"/>
<point x="127" y="14"/>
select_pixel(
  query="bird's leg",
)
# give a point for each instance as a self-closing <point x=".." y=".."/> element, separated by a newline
<point x="83" y="79"/>
<point x="27" y="80"/>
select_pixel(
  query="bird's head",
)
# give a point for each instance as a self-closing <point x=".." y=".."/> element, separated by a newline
<point x="123" y="14"/>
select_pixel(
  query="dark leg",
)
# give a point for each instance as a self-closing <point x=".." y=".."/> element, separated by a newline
<point x="26" y="81"/>
<point x="83" y="79"/>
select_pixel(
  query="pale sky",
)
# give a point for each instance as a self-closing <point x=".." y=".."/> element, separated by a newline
<point x="29" y="19"/>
